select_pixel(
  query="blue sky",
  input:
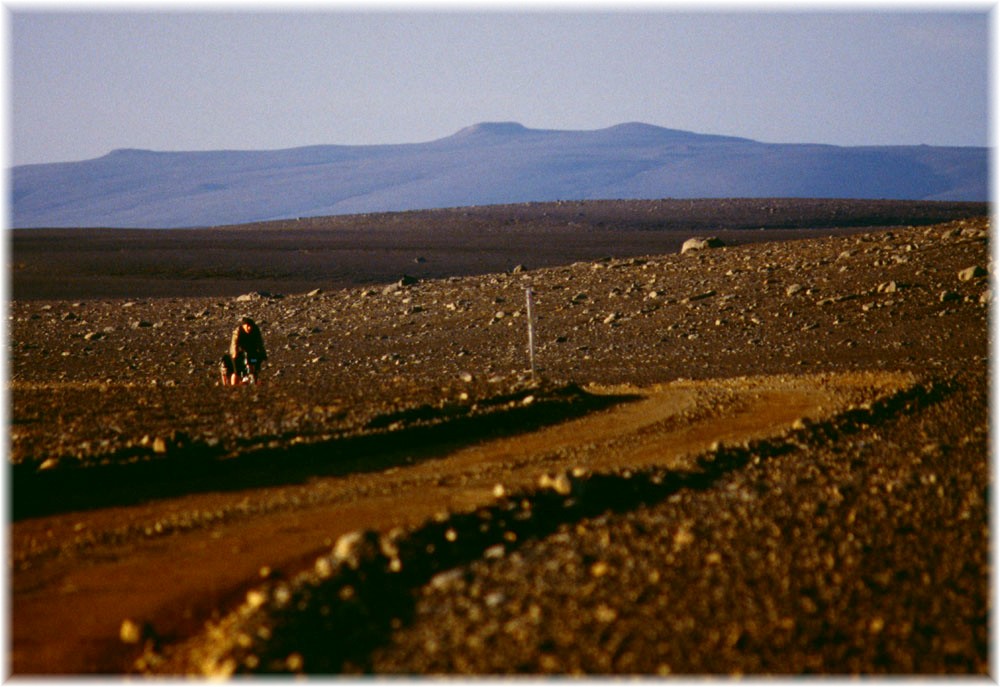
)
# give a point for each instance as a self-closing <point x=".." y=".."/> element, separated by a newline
<point x="84" y="80"/>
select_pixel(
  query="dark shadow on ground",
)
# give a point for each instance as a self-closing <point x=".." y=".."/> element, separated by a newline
<point x="402" y="438"/>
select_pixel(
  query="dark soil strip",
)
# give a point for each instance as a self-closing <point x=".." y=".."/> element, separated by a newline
<point x="424" y="434"/>
<point x="354" y="250"/>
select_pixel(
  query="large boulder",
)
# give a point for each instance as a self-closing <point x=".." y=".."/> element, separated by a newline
<point x="700" y="243"/>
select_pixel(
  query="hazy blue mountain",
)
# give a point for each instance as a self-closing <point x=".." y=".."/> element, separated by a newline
<point x="481" y="165"/>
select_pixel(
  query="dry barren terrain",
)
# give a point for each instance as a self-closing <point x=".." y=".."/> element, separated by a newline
<point x="765" y="458"/>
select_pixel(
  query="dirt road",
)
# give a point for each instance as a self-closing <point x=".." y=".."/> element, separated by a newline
<point x="97" y="576"/>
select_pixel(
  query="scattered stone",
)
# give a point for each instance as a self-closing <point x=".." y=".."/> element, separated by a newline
<point x="793" y="289"/>
<point x="357" y="331"/>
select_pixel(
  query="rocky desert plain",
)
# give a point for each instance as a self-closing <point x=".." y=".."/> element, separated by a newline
<point x="765" y="456"/>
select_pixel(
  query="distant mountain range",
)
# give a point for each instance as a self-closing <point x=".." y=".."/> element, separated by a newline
<point x="485" y="164"/>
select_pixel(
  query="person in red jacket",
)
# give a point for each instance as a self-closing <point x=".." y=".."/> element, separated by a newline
<point x="246" y="353"/>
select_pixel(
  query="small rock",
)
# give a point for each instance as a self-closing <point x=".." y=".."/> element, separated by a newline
<point x="446" y="579"/>
<point x="560" y="483"/>
<point x="605" y="614"/>
<point x="323" y="567"/>
<point x="970" y="273"/>
<point x="793" y="289"/>
<point x="495" y="551"/>
<point x="494" y="599"/>
<point x="698" y="297"/>
<point x="130" y="632"/>
<point x="256" y="598"/>
<point x="356" y="546"/>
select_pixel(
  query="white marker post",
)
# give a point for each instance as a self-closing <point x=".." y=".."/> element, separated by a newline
<point x="531" y="327"/>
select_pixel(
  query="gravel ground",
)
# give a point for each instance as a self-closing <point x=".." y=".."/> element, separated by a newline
<point x="858" y="545"/>
<point x="861" y="553"/>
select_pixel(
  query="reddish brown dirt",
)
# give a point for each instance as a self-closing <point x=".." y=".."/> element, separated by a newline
<point x="141" y="491"/>
<point x="150" y="581"/>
